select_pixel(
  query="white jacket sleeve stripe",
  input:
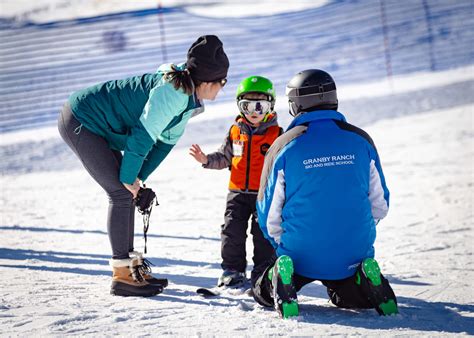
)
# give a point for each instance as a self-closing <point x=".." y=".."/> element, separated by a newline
<point x="274" y="214"/>
<point x="376" y="194"/>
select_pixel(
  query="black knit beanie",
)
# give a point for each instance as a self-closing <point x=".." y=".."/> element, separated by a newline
<point x="207" y="60"/>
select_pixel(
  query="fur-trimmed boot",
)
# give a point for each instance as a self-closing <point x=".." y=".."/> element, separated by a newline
<point x="145" y="270"/>
<point x="128" y="281"/>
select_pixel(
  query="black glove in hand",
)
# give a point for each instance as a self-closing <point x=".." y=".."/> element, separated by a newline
<point x="144" y="200"/>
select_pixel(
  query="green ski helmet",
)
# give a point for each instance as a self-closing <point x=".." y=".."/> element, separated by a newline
<point x="257" y="84"/>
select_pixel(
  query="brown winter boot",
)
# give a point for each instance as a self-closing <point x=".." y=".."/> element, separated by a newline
<point x="127" y="280"/>
<point x="145" y="270"/>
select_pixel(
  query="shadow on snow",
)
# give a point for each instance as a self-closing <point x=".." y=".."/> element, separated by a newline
<point x="414" y="314"/>
<point x="100" y="232"/>
<point x="96" y="259"/>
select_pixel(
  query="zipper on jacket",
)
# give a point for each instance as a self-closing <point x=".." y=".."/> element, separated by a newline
<point x="247" y="178"/>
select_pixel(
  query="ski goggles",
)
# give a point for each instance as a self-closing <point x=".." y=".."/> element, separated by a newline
<point x="260" y="107"/>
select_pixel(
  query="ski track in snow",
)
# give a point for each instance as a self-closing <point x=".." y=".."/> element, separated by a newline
<point x="55" y="276"/>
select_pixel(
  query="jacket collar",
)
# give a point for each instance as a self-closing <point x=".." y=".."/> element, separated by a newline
<point x="248" y="128"/>
<point x="315" y="116"/>
<point x="195" y="105"/>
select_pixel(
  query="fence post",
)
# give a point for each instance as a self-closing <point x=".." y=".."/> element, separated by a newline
<point x="388" y="60"/>
<point x="430" y="34"/>
<point x="162" y="32"/>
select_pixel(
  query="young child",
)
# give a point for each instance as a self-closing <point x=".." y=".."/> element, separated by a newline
<point x="243" y="151"/>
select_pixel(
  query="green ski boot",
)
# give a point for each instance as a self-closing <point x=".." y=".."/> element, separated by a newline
<point x="284" y="292"/>
<point x="376" y="287"/>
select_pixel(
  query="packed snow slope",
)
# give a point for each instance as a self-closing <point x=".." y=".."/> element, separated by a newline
<point x="54" y="248"/>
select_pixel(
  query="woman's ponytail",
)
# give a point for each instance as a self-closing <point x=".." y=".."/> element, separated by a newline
<point x="180" y="79"/>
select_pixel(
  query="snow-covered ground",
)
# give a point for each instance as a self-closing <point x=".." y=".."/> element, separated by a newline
<point x="54" y="250"/>
<point x="51" y="10"/>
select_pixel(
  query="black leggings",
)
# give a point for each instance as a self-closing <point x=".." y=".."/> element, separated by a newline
<point x="103" y="164"/>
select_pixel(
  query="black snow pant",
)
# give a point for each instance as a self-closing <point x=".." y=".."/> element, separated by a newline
<point x="240" y="207"/>
<point x="103" y="164"/>
<point x="344" y="293"/>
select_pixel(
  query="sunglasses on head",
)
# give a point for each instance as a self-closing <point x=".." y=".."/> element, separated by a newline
<point x="260" y="107"/>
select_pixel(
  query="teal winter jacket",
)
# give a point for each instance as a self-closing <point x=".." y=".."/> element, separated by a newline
<point x="143" y="116"/>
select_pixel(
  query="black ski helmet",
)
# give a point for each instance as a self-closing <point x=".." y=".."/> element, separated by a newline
<point x="311" y="89"/>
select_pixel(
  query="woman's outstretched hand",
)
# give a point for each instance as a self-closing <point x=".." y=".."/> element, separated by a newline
<point x="133" y="188"/>
<point x="196" y="152"/>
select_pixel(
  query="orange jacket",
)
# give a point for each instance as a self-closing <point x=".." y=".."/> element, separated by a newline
<point x="243" y="151"/>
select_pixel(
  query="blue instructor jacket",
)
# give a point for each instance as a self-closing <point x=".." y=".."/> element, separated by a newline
<point x="322" y="193"/>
